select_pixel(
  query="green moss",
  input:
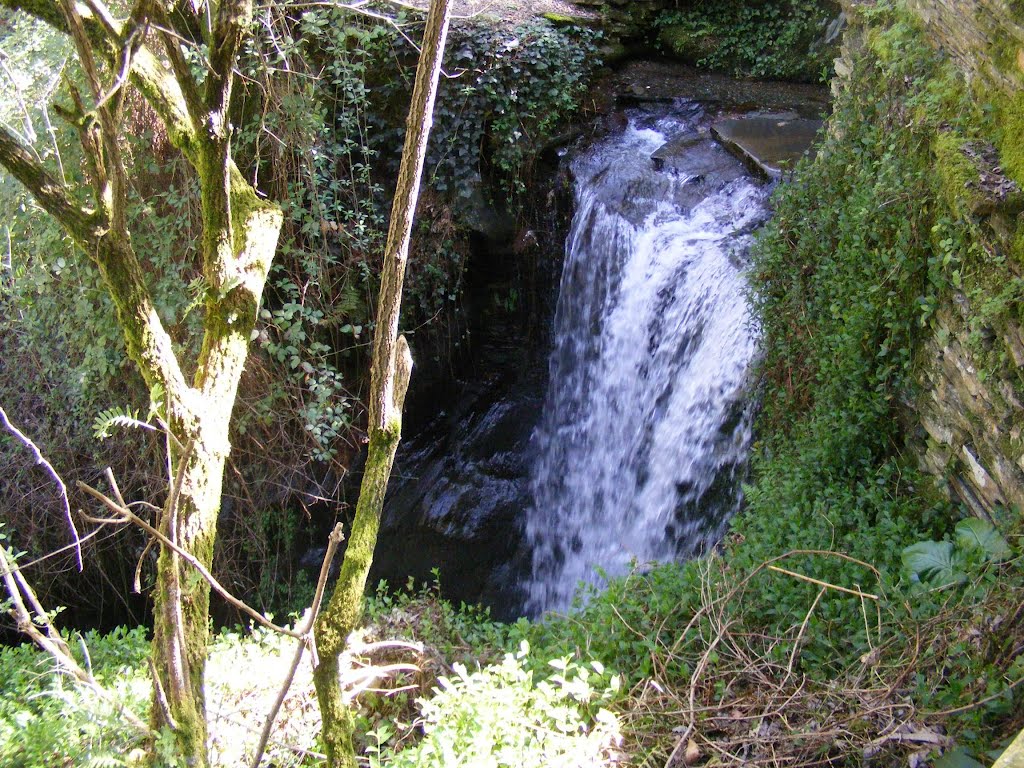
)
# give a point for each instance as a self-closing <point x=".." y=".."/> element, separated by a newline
<point x="1017" y="249"/>
<point x="566" y="20"/>
<point x="1010" y="123"/>
<point x="955" y="173"/>
<point x="683" y="42"/>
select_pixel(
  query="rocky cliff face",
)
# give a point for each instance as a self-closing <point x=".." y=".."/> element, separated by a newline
<point x="967" y="421"/>
<point x="986" y="37"/>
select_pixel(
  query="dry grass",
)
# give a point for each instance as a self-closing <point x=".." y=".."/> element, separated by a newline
<point x="748" y="703"/>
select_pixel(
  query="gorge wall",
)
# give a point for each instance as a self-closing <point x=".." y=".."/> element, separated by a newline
<point x="776" y="39"/>
<point x="967" y="419"/>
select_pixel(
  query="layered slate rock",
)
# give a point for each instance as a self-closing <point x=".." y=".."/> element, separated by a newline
<point x="768" y="144"/>
<point x="971" y="401"/>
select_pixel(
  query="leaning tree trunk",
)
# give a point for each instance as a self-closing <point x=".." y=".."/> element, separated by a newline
<point x="389" y="378"/>
<point x="1013" y="755"/>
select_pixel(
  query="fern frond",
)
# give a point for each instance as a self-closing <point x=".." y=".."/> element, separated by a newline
<point x="116" y="417"/>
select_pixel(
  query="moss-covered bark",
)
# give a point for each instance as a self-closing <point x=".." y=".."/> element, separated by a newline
<point x="344" y="610"/>
<point x="389" y="379"/>
<point x="239" y="239"/>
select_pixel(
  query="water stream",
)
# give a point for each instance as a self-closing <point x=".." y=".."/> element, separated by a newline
<point x="645" y="426"/>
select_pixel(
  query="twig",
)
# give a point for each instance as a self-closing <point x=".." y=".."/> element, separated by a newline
<point x="29" y="136"/>
<point x="800" y="636"/>
<point x="40" y="459"/>
<point x="22" y="566"/>
<point x="188" y="557"/>
<point x="704" y="609"/>
<point x="124" y="70"/>
<point x="380" y="645"/>
<point x="359" y="680"/>
<point x="300" y="751"/>
<point x="825" y="584"/>
<point x="683" y="739"/>
<point x="333" y="540"/>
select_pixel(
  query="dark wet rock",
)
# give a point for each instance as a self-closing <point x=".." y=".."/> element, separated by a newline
<point x="491" y="220"/>
<point x="769" y="144"/>
<point x="458" y="494"/>
<point x="675" y="150"/>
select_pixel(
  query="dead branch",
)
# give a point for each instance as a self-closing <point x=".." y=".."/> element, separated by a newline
<point x="823" y="584"/>
<point x="126" y="514"/>
<point x="40" y="459"/>
<point x="333" y="540"/>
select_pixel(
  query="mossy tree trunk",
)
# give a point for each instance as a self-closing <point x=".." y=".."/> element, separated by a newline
<point x="389" y="379"/>
<point x="239" y="239"/>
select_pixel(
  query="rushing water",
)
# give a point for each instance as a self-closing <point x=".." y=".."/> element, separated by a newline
<point x="645" y="428"/>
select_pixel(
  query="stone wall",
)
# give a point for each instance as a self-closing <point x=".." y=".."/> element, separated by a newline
<point x="985" y="37"/>
<point x="967" y="422"/>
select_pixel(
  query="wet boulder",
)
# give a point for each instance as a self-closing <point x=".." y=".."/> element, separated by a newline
<point x="768" y="144"/>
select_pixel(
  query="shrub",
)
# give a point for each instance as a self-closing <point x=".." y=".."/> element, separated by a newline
<point x="501" y="716"/>
<point x="773" y="39"/>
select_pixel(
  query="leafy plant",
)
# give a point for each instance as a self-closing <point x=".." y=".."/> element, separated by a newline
<point x="45" y="720"/>
<point x="773" y="39"/>
<point x="502" y="716"/>
<point x="942" y="563"/>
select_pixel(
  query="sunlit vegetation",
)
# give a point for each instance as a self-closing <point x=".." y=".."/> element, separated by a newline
<point x="852" y="614"/>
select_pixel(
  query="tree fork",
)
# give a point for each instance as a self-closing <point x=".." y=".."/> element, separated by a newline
<point x="239" y="241"/>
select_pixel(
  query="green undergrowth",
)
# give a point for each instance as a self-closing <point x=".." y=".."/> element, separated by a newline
<point x="46" y="720"/>
<point x="435" y="683"/>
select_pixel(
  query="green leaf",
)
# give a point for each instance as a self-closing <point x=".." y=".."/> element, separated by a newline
<point x="932" y="561"/>
<point x="957" y="758"/>
<point x="975" y="533"/>
<point x="114" y="417"/>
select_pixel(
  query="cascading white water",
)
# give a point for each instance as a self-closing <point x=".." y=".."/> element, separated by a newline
<point x="645" y="427"/>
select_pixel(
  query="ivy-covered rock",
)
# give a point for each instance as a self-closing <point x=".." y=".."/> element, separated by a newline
<point x="785" y="39"/>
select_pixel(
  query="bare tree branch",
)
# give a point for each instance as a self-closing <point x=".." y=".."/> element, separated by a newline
<point x="40" y="459"/>
<point x="110" y="182"/>
<point x="173" y="39"/>
<point x="147" y="73"/>
<point x="333" y="541"/>
<point x="233" y="19"/>
<point x="125" y="513"/>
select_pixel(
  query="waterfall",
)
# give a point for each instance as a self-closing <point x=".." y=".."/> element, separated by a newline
<point x="645" y="428"/>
